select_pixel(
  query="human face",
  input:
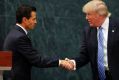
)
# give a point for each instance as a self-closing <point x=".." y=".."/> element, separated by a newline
<point x="31" y="22"/>
<point x="93" y="19"/>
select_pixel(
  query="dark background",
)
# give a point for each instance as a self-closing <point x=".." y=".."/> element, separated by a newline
<point x="57" y="33"/>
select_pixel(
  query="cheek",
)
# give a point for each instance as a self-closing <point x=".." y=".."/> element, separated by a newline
<point x="30" y="23"/>
<point x="93" y="19"/>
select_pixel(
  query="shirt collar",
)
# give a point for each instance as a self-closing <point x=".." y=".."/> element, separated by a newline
<point x="22" y="28"/>
<point x="106" y="23"/>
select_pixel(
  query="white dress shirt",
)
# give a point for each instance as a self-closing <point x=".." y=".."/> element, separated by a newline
<point x="105" y="27"/>
<point x="22" y="28"/>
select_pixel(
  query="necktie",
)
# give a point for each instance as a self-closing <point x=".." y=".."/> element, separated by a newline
<point x="101" y="68"/>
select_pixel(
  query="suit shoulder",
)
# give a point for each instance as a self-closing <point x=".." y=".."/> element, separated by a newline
<point x="87" y="29"/>
<point x="114" y="21"/>
<point x="16" y="34"/>
<point x="12" y="38"/>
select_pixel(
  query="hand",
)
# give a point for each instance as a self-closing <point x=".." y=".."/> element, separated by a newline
<point x="73" y="61"/>
<point x="67" y="64"/>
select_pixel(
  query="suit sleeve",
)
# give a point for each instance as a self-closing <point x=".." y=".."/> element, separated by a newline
<point x="24" y="47"/>
<point x="83" y="57"/>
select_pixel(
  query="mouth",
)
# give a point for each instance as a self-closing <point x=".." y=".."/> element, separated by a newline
<point x="89" y="22"/>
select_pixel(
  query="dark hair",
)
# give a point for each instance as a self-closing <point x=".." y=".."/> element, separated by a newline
<point x="24" y="11"/>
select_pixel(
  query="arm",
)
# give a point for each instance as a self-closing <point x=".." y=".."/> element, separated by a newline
<point x="83" y="57"/>
<point x="25" y="48"/>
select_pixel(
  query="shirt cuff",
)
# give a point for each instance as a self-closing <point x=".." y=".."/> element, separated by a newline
<point x="59" y="62"/>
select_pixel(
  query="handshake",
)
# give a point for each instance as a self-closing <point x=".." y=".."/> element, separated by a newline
<point x="67" y="64"/>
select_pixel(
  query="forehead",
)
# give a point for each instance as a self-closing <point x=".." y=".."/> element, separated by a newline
<point x="91" y="12"/>
<point x="33" y="14"/>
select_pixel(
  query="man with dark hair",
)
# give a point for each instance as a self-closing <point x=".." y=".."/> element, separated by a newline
<point x="24" y="11"/>
<point x="24" y="56"/>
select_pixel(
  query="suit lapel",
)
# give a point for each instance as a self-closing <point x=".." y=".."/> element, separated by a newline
<point x="111" y="33"/>
<point x="93" y="44"/>
<point x="95" y="38"/>
<point x="20" y="29"/>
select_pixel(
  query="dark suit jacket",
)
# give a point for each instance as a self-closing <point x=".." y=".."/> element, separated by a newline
<point x="89" y="46"/>
<point x="24" y="56"/>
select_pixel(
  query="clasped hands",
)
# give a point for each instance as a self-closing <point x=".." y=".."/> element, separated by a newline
<point x="67" y="64"/>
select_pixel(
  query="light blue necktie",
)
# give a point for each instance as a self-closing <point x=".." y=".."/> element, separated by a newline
<point x="101" y="68"/>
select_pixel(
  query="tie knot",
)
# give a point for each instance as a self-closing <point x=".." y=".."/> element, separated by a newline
<point x="100" y="27"/>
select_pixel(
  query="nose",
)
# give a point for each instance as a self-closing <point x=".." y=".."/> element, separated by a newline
<point x="35" y="21"/>
<point x="86" y="17"/>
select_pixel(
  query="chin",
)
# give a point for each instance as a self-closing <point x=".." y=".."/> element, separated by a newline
<point x="91" y="25"/>
<point x="32" y="28"/>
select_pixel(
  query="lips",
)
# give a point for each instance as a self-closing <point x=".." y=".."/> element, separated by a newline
<point x="89" y="22"/>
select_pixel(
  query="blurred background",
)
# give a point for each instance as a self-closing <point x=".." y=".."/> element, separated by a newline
<point x="58" y="32"/>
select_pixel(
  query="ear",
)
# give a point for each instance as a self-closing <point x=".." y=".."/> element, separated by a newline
<point x="24" y="19"/>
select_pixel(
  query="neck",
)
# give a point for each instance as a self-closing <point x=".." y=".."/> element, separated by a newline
<point x="23" y="25"/>
<point x="102" y="19"/>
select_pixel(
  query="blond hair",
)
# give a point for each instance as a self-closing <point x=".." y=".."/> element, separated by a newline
<point x="98" y="6"/>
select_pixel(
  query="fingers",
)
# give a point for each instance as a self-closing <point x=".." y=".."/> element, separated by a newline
<point x="67" y="59"/>
<point x="67" y="64"/>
